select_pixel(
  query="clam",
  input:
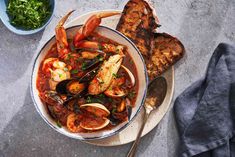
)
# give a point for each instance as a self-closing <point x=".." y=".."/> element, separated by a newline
<point x="97" y="109"/>
<point x="131" y="76"/>
<point x="114" y="90"/>
<point x="92" y="123"/>
<point x="96" y="120"/>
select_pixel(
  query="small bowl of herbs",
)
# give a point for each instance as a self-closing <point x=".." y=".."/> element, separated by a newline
<point x="26" y="17"/>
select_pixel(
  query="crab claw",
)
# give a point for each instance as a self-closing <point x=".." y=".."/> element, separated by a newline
<point x="61" y="37"/>
<point x="104" y="77"/>
<point x="91" y="25"/>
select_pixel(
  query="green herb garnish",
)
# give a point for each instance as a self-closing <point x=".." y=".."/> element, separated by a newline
<point x="115" y="75"/>
<point x="88" y="99"/>
<point x="84" y="64"/>
<point x="131" y="61"/>
<point x="28" y="14"/>
<point x="101" y="95"/>
<point x="131" y="94"/>
<point x="60" y="75"/>
<point x="114" y="110"/>
<point x="58" y="124"/>
<point x="100" y="47"/>
<point x="74" y="71"/>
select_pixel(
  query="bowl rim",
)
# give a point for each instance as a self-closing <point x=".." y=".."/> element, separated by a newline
<point x="31" y="31"/>
<point x="103" y="136"/>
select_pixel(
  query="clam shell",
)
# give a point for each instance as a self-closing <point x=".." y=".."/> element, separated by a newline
<point x="97" y="109"/>
<point x="132" y="77"/>
<point x="87" y="127"/>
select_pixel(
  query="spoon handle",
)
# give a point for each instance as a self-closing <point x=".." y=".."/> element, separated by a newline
<point x="134" y="146"/>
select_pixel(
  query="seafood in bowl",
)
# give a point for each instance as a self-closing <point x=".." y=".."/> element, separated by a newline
<point x="88" y="82"/>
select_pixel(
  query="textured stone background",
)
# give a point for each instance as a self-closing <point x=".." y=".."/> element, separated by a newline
<point x="199" y="24"/>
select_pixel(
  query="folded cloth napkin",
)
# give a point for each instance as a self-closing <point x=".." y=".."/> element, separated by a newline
<point x="205" y="111"/>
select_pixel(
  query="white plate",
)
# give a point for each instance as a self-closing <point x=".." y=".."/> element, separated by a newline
<point x="129" y="133"/>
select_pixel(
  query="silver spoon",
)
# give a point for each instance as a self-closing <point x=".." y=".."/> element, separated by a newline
<point x="156" y="93"/>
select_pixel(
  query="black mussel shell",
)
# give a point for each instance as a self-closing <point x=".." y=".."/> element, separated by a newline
<point x="89" y="76"/>
<point x="129" y="111"/>
<point x="114" y="121"/>
<point x="61" y="86"/>
<point x="128" y="108"/>
<point x="72" y="104"/>
<point x="53" y="98"/>
<point x="93" y="62"/>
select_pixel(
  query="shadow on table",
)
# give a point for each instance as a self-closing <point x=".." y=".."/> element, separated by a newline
<point x="16" y="53"/>
<point x="198" y="32"/>
<point x="28" y="135"/>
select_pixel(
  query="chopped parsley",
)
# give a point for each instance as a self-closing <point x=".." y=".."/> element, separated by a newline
<point x="74" y="71"/>
<point x="88" y="99"/>
<point x="100" y="47"/>
<point x="28" y="14"/>
<point x="84" y="64"/>
<point x="131" y="61"/>
<point x="115" y="75"/>
<point x="58" y="124"/>
<point x="60" y="75"/>
<point x="114" y="110"/>
<point x="131" y="94"/>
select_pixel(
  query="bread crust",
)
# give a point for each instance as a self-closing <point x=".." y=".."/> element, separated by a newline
<point x="167" y="51"/>
<point x="138" y="21"/>
<point x="160" y="50"/>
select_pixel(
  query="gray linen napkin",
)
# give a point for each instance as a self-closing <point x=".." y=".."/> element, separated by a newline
<point x="205" y="111"/>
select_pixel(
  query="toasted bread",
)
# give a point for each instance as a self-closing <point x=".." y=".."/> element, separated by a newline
<point x="160" y="50"/>
<point x="138" y="21"/>
<point x="167" y="51"/>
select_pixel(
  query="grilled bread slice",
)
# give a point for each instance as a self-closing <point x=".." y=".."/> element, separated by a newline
<point x="138" y="22"/>
<point x="160" y="50"/>
<point x="167" y="51"/>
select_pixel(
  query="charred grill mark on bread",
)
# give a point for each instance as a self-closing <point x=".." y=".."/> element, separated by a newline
<point x="138" y="23"/>
<point x="167" y="51"/>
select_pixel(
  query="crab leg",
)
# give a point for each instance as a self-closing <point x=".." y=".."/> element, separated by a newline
<point x="105" y="47"/>
<point x="61" y="37"/>
<point x="90" y="26"/>
<point x="104" y="77"/>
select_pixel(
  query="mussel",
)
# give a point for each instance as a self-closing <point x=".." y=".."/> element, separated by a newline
<point x="51" y="97"/>
<point x="124" y="109"/>
<point x="93" y="62"/>
<point x="75" y="85"/>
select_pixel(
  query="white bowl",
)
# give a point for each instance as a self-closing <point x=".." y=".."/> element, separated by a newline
<point x="142" y="81"/>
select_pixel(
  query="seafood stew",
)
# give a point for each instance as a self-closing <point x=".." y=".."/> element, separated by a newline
<point x="88" y="82"/>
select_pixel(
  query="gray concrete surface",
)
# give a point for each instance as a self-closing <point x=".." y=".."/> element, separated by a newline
<point x="199" y="24"/>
